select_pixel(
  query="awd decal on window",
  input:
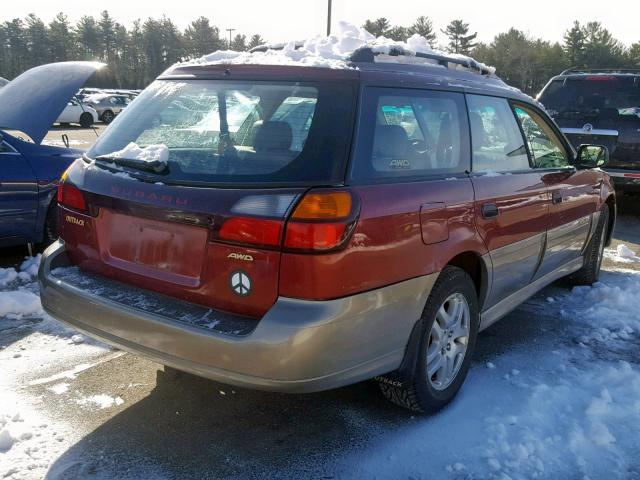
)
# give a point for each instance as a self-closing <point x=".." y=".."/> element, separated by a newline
<point x="400" y="164"/>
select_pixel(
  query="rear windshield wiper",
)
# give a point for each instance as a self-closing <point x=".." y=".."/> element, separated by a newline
<point x="154" y="166"/>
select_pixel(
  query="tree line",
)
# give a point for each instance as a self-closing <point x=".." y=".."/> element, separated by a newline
<point x="140" y="52"/>
<point x="521" y="60"/>
<point x="135" y="54"/>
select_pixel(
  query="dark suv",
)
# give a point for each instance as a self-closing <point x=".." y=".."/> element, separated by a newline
<point x="298" y="228"/>
<point x="601" y="106"/>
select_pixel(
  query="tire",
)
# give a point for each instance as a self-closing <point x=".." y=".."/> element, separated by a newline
<point x="108" y="116"/>
<point x="50" y="230"/>
<point x="590" y="272"/>
<point x="423" y="388"/>
<point x="86" y="120"/>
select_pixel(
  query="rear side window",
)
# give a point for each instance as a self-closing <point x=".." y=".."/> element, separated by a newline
<point x="546" y="148"/>
<point x="406" y="134"/>
<point x="497" y="143"/>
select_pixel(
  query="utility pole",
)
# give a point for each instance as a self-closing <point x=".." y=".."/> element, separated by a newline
<point x="230" y="30"/>
<point x="329" y="18"/>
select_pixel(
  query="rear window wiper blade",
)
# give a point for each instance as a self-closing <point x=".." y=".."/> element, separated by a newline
<point x="154" y="166"/>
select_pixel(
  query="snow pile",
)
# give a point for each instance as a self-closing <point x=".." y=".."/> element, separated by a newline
<point x="609" y="309"/>
<point x="7" y="275"/>
<point x="28" y="271"/>
<point x="622" y="254"/>
<point x="31" y="265"/>
<point x="331" y="51"/>
<point x="19" y="303"/>
<point x="152" y="153"/>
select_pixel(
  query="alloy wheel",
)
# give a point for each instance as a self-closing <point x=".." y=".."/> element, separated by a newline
<point x="448" y="341"/>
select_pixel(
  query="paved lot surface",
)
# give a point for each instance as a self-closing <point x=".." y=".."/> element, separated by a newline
<point x="552" y="394"/>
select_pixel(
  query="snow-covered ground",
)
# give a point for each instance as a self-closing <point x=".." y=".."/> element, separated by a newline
<point x="554" y="392"/>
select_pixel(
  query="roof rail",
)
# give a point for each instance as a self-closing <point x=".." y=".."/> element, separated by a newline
<point x="600" y="70"/>
<point x="367" y="54"/>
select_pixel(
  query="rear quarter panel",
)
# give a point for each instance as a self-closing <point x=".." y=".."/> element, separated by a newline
<point x="387" y="245"/>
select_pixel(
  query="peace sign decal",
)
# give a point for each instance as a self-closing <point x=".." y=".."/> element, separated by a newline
<point x="240" y="283"/>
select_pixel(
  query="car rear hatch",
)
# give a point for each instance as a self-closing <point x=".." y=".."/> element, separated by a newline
<point x="602" y="109"/>
<point x="190" y="191"/>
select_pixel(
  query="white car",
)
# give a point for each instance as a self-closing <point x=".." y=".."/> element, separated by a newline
<point x="74" y="112"/>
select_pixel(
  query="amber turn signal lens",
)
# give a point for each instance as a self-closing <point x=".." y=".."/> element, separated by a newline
<point x="318" y="206"/>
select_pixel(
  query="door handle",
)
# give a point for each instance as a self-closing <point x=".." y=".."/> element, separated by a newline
<point x="556" y="197"/>
<point x="490" y="210"/>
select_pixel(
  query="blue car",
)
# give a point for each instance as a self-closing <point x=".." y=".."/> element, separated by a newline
<point x="29" y="171"/>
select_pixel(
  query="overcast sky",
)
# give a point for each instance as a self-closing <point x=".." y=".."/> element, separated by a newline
<point x="280" y="20"/>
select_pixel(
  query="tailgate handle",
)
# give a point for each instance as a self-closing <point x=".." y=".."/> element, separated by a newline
<point x="489" y="210"/>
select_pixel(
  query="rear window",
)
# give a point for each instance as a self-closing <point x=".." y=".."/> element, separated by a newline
<point x="239" y="132"/>
<point x="408" y="134"/>
<point x="597" y="96"/>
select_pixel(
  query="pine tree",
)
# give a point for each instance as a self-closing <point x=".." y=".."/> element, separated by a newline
<point x="37" y="40"/>
<point x="255" y="41"/>
<point x="60" y="39"/>
<point x="460" y="40"/>
<point x="634" y="55"/>
<point x="601" y="50"/>
<point x="398" y="33"/>
<point x="378" y="28"/>
<point x="574" y="44"/>
<point x="200" y="38"/>
<point x="424" y="27"/>
<point x="239" y="43"/>
<point x="107" y="28"/>
<point x="88" y="38"/>
<point x="15" y="48"/>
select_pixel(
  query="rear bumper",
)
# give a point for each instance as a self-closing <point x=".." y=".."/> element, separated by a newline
<point x="625" y="180"/>
<point x="298" y="346"/>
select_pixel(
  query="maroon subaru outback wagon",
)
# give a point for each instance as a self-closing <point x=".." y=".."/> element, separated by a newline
<point x="297" y="229"/>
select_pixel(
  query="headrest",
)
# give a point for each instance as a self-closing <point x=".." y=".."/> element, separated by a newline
<point x="478" y="133"/>
<point x="390" y="141"/>
<point x="273" y="136"/>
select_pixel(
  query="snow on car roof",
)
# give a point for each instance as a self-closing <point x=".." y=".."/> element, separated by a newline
<point x="331" y="51"/>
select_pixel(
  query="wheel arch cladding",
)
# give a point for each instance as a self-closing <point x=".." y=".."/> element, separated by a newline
<point x="472" y="263"/>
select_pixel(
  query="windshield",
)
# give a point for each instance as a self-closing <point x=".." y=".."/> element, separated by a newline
<point x="238" y="132"/>
<point x="597" y="96"/>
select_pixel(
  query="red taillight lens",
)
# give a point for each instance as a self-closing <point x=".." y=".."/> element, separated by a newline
<point x="314" y="236"/>
<point x="253" y="231"/>
<point x="71" y="197"/>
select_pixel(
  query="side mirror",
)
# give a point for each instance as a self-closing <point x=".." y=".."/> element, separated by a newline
<point x="591" y="156"/>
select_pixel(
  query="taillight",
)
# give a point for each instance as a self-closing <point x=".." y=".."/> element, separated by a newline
<point x="322" y="221"/>
<point x="253" y="231"/>
<point x="70" y="196"/>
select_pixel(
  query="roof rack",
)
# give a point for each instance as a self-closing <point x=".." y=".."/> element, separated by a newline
<point x="367" y="54"/>
<point x="600" y="70"/>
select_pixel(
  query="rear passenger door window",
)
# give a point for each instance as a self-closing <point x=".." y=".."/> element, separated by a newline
<point x="546" y="148"/>
<point x="411" y="134"/>
<point x="496" y="139"/>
